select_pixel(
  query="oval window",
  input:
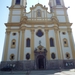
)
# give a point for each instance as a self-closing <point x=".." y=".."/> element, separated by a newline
<point x="53" y="56"/>
<point x="39" y="33"/>
<point x="27" y="56"/>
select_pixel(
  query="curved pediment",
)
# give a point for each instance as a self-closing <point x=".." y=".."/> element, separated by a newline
<point x="38" y="12"/>
<point x="40" y="48"/>
<point x="43" y="7"/>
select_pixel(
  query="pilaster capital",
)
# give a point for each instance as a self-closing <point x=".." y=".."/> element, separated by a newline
<point x="19" y="31"/>
<point x="23" y="30"/>
<point x="46" y="30"/>
<point x="32" y="30"/>
<point x="69" y="30"/>
<point x="8" y="32"/>
<point x="56" y="28"/>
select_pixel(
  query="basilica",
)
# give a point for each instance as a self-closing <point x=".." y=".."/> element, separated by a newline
<point x="39" y="39"/>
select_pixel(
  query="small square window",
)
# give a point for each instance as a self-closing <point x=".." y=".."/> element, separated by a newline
<point x="14" y="34"/>
<point x="63" y="33"/>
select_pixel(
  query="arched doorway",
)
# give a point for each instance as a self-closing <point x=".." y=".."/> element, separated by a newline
<point x="41" y="61"/>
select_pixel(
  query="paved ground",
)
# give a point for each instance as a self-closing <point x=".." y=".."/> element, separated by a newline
<point x="42" y="72"/>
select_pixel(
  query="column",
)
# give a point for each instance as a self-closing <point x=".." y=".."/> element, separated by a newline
<point x="57" y="43"/>
<point x="5" y="54"/>
<point x="47" y="44"/>
<point x="32" y="44"/>
<point x="71" y="43"/>
<point x="22" y="45"/>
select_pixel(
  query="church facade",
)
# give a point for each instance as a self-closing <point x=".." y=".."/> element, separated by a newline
<point x="38" y="39"/>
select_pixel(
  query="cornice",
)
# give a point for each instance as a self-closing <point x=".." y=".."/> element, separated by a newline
<point x="13" y="7"/>
<point x="38" y="23"/>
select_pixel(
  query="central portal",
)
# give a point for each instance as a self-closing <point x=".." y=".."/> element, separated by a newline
<point x="41" y="62"/>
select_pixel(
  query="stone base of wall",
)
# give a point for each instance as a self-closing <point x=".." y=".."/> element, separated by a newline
<point x="31" y="64"/>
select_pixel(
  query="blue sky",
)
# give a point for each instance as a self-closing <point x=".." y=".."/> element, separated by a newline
<point x="4" y="12"/>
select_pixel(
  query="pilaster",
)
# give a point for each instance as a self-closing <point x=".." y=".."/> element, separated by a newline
<point x="57" y="42"/>
<point x="18" y="52"/>
<point x="32" y="44"/>
<point x="47" y="44"/>
<point x="6" y="45"/>
<point x="22" y="45"/>
<point x="71" y="42"/>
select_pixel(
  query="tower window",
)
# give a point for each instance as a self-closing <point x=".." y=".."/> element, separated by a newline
<point x="17" y="1"/>
<point x="38" y="13"/>
<point x="58" y="2"/>
<point x="28" y="42"/>
<point x="65" y="42"/>
<point x="51" y="42"/>
<point x="13" y="43"/>
<point x="12" y="56"/>
<point x="53" y="56"/>
<point x="39" y="33"/>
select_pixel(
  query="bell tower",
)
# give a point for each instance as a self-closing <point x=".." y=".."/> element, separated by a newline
<point x="19" y="2"/>
<point x="58" y="8"/>
<point x="16" y="10"/>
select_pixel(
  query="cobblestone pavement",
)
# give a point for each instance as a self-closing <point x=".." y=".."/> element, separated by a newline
<point x="42" y="72"/>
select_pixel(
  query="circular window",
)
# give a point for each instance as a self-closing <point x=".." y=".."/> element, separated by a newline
<point x="12" y="56"/>
<point x="67" y="55"/>
<point x="39" y="33"/>
<point x="53" y="56"/>
<point x="27" y="56"/>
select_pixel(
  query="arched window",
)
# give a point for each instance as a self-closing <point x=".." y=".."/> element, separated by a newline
<point x="28" y="42"/>
<point x="38" y="13"/>
<point x="13" y="43"/>
<point x="65" y="42"/>
<point x="51" y="42"/>
<point x="17" y="1"/>
<point x="58" y="2"/>
<point x="53" y="56"/>
<point x="39" y="33"/>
